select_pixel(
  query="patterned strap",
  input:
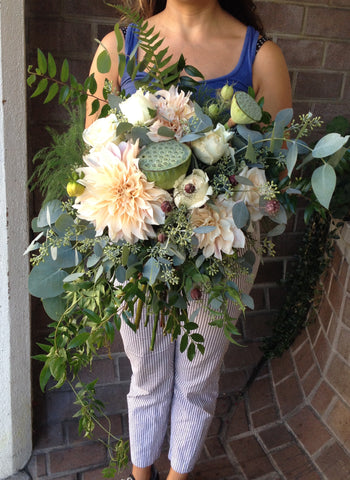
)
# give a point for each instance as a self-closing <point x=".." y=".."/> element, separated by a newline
<point x="260" y="43"/>
<point x="123" y="29"/>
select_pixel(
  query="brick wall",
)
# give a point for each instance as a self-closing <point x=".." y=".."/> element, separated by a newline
<point x="247" y="436"/>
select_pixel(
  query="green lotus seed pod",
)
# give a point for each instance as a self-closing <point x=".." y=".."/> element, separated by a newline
<point x="226" y="93"/>
<point x="244" y="109"/>
<point x="164" y="162"/>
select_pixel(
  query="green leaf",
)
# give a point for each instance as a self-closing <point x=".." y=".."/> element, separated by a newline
<point x="64" y="71"/>
<point x="197" y="337"/>
<point x="183" y="342"/>
<point x="204" y="229"/>
<point x="191" y="352"/>
<point x="123" y="127"/>
<point x="54" y="307"/>
<point x="122" y="64"/>
<point x="42" y="63"/>
<point x="46" y="280"/>
<point x="95" y="106"/>
<point x="51" y="65"/>
<point x="50" y="212"/>
<point x="151" y="270"/>
<point x="329" y="144"/>
<point x="53" y="90"/>
<point x="193" y="71"/>
<point x="104" y="62"/>
<point x="119" y="37"/>
<point x="166" y="132"/>
<point x="42" y="85"/>
<point x="292" y="156"/>
<point x="250" y="152"/>
<point x="64" y="94"/>
<point x="44" y="377"/>
<point x="240" y="214"/>
<point x="79" y="340"/>
<point x="323" y="183"/>
<point x="31" y="79"/>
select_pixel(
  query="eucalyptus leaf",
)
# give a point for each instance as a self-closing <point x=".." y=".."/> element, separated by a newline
<point x="114" y="100"/>
<point x="120" y="274"/>
<point x="166" y="132"/>
<point x="191" y="137"/>
<point x="73" y="276"/>
<point x="104" y="62"/>
<point x="50" y="212"/>
<point x="292" y="157"/>
<point x="323" y="183"/>
<point x="247" y="133"/>
<point x="67" y="257"/>
<point x="123" y="127"/>
<point x="63" y="223"/>
<point x="250" y="153"/>
<point x="284" y="117"/>
<point x="151" y="270"/>
<point x="34" y="244"/>
<point x="46" y="280"/>
<point x="277" y="230"/>
<point x="240" y="214"/>
<point x="329" y="144"/>
<point x="247" y="300"/>
<point x="54" y="307"/>
<point x="204" y="229"/>
<point x="244" y="180"/>
<point x="92" y="260"/>
<point x="140" y="133"/>
<point x="200" y="122"/>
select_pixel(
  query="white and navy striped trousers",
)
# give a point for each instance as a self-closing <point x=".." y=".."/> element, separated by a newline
<point x="166" y="385"/>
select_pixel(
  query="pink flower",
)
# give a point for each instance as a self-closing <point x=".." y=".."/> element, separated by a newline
<point x="174" y="109"/>
<point x="118" y="196"/>
<point x="225" y="236"/>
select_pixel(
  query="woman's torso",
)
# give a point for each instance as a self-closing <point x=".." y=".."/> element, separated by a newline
<point x="240" y="77"/>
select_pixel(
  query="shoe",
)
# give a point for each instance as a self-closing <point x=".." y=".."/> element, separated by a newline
<point x="154" y="474"/>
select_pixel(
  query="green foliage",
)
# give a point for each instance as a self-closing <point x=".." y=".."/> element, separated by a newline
<point x="63" y="155"/>
<point x="301" y="287"/>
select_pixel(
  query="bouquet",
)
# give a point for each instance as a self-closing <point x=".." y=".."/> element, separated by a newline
<point x="163" y="208"/>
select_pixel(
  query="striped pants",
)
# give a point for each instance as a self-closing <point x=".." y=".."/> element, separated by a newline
<point x="166" y="385"/>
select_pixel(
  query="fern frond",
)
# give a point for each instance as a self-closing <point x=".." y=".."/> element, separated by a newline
<point x="56" y="162"/>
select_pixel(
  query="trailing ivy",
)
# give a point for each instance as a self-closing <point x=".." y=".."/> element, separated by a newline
<point x="301" y="286"/>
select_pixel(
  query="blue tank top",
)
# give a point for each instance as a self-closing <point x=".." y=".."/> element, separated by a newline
<point x="240" y="77"/>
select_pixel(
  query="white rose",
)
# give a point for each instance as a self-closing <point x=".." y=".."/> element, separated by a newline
<point x="250" y="195"/>
<point x="138" y="108"/>
<point x="101" y="132"/>
<point x="210" y="148"/>
<point x="192" y="191"/>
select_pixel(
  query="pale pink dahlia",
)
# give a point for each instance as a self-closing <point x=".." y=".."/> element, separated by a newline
<point x="174" y="109"/>
<point x="226" y="236"/>
<point x="118" y="196"/>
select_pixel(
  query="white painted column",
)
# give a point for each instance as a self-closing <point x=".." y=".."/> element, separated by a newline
<point x="15" y="388"/>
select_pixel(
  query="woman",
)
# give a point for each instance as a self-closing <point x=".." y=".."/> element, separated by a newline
<point x="220" y="38"/>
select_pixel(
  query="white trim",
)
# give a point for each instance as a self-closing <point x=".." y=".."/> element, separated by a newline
<point x="15" y="391"/>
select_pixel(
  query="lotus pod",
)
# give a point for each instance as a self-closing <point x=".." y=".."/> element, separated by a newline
<point x="244" y="109"/>
<point x="164" y="162"/>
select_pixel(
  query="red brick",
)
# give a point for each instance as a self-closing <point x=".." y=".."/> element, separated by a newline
<point x="275" y="436"/>
<point x="292" y="49"/>
<point x="260" y="394"/>
<point x="309" y="430"/>
<point x="311" y="380"/>
<point x="96" y="474"/>
<point x="47" y="436"/>
<point x="338" y="377"/>
<point x="232" y="381"/>
<point x="265" y="416"/>
<point x="258" y="295"/>
<point x="251" y="457"/>
<point x="329" y="110"/>
<point x="325" y="312"/>
<point x="214" y="447"/>
<point x="277" y="297"/>
<point x="37" y="466"/>
<point x="336" y="57"/>
<point x="304" y="359"/>
<point x="223" y="405"/>
<point x="257" y="325"/>
<point x="102" y="369"/>
<point x="343" y="346"/>
<point x="288" y="394"/>
<point x="322" y="350"/>
<point x="282" y="367"/>
<point x="336" y="295"/>
<point x="37" y="7"/>
<point x="213" y="469"/>
<point x="322" y="398"/>
<point x="346" y="312"/>
<point x="72" y="430"/>
<point x="238" y="357"/>
<point x="323" y="85"/>
<point x="339" y="422"/>
<point x="79" y="7"/>
<point x="238" y="421"/>
<point x="270" y="272"/>
<point x="282" y="18"/>
<point x="288" y="245"/>
<point x="322" y="22"/>
<point x="334" y="462"/>
<point x="294" y="464"/>
<point x="215" y="427"/>
<point x="77" y="457"/>
<point x="124" y="369"/>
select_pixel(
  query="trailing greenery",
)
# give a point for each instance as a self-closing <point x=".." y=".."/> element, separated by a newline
<point x="64" y="154"/>
<point x="301" y="286"/>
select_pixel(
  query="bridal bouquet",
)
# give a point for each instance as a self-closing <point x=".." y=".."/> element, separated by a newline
<point x="162" y="208"/>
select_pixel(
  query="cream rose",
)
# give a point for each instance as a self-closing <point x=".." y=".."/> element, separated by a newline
<point x="192" y="191"/>
<point x="210" y="148"/>
<point x="250" y="195"/>
<point x="138" y="108"/>
<point x="101" y="132"/>
<point x="225" y="236"/>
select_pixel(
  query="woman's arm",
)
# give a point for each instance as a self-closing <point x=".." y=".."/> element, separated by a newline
<point x="271" y="78"/>
<point x="109" y="43"/>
